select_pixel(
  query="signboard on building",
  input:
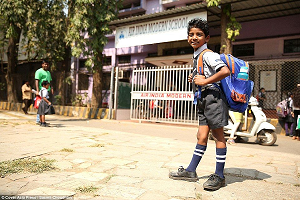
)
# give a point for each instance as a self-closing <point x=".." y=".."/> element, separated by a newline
<point x="156" y="31"/>
<point x="166" y="95"/>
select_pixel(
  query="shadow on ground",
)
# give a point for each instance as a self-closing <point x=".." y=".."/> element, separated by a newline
<point x="234" y="175"/>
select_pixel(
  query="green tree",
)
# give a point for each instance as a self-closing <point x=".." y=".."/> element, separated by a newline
<point x="230" y="28"/>
<point x="45" y="32"/>
<point x="43" y="24"/>
<point x="87" y="36"/>
<point x="14" y="15"/>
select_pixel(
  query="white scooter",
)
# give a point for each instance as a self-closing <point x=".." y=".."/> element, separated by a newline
<point x="259" y="127"/>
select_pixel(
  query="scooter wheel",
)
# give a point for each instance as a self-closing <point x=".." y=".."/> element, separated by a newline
<point x="266" y="137"/>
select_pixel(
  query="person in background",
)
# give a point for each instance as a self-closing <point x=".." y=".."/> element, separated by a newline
<point x="41" y="75"/>
<point x="261" y="97"/>
<point x="44" y="102"/>
<point x="296" y="112"/>
<point x="26" y="96"/>
<point x="289" y="120"/>
<point x="238" y="119"/>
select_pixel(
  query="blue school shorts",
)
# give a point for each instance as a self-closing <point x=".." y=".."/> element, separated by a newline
<point x="212" y="108"/>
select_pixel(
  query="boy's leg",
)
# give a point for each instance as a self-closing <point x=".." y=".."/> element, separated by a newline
<point x="43" y="123"/>
<point x="291" y="128"/>
<point x="42" y="118"/>
<point x="38" y="119"/>
<point x="286" y="127"/>
<point x="189" y="174"/>
<point x="217" y="179"/>
<point x="202" y="137"/>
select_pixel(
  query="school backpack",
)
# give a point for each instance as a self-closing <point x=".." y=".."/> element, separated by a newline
<point x="237" y="91"/>
<point x="282" y="108"/>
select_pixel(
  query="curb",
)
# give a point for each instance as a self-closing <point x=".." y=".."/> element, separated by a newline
<point x="71" y="111"/>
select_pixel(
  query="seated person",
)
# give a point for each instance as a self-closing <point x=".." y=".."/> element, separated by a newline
<point x="237" y="119"/>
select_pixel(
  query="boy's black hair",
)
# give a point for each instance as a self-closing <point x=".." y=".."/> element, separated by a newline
<point x="199" y="23"/>
<point x="45" y="61"/>
<point x="45" y="83"/>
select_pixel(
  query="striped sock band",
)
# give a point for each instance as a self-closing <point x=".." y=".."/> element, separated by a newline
<point x="220" y="161"/>
<point x="198" y="153"/>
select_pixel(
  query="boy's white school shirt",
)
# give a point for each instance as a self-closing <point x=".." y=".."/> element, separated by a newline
<point x="44" y="93"/>
<point x="211" y="61"/>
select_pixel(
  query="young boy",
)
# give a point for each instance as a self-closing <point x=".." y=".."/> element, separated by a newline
<point x="44" y="102"/>
<point x="212" y="107"/>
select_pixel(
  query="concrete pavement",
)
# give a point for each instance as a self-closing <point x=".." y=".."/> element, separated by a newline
<point x="123" y="165"/>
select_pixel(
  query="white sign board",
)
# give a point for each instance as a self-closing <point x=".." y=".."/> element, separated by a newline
<point x="158" y="31"/>
<point x="188" y="96"/>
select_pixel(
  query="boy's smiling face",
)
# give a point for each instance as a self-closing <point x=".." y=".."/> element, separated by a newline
<point x="196" y="38"/>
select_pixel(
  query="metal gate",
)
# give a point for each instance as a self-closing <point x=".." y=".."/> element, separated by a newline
<point x="163" y="94"/>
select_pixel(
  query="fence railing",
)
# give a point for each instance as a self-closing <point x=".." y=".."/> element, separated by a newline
<point x="163" y="94"/>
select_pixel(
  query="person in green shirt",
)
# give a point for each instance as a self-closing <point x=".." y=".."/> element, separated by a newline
<point x="41" y="75"/>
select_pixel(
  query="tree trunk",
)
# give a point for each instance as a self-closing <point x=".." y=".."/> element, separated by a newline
<point x="97" y="89"/>
<point x="226" y="44"/>
<point x="64" y="71"/>
<point x="12" y="58"/>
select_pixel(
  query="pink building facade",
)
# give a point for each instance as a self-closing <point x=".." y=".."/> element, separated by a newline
<point x="261" y="40"/>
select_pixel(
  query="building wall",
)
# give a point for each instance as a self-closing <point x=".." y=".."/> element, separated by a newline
<point x="267" y="35"/>
<point x="153" y="6"/>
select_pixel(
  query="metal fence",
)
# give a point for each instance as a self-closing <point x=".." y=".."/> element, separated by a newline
<point x="278" y="77"/>
<point x="163" y="94"/>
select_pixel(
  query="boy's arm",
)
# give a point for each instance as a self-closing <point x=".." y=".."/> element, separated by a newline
<point x="37" y="86"/>
<point x="221" y="74"/>
<point x="47" y="100"/>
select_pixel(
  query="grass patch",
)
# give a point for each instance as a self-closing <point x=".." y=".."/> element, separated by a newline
<point x="31" y="165"/>
<point x="297" y="185"/>
<point x="4" y="123"/>
<point x="97" y="145"/>
<point x="86" y="189"/>
<point x="67" y="150"/>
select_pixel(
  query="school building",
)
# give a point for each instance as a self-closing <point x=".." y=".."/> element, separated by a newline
<point x="148" y="51"/>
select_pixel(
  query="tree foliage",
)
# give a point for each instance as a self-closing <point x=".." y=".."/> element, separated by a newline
<point x="233" y="27"/>
<point x="88" y="28"/>
<point x="87" y="36"/>
<point x="43" y="25"/>
<point x="45" y="30"/>
<point x="211" y="3"/>
<point x="14" y="15"/>
<point x="230" y="28"/>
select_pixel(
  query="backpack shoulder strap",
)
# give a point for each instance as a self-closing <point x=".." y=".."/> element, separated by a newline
<point x="200" y="61"/>
<point x="42" y="92"/>
<point x="229" y="62"/>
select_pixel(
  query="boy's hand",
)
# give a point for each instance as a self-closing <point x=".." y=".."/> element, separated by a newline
<point x="200" y="80"/>
<point x="190" y="78"/>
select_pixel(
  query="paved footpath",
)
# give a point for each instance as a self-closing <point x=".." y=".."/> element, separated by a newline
<point x="121" y="165"/>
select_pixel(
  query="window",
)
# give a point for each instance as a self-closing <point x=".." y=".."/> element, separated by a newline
<point x="185" y="50"/>
<point x="152" y="54"/>
<point x="168" y="52"/>
<point x="83" y="82"/>
<point x="292" y="46"/>
<point x="124" y="59"/>
<point x="106" y="81"/>
<point x="169" y="8"/>
<point x="107" y="60"/>
<point x="82" y="64"/>
<point x="243" y="50"/>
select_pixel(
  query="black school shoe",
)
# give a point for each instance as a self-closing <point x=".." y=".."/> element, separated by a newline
<point x="182" y="174"/>
<point x="214" y="182"/>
